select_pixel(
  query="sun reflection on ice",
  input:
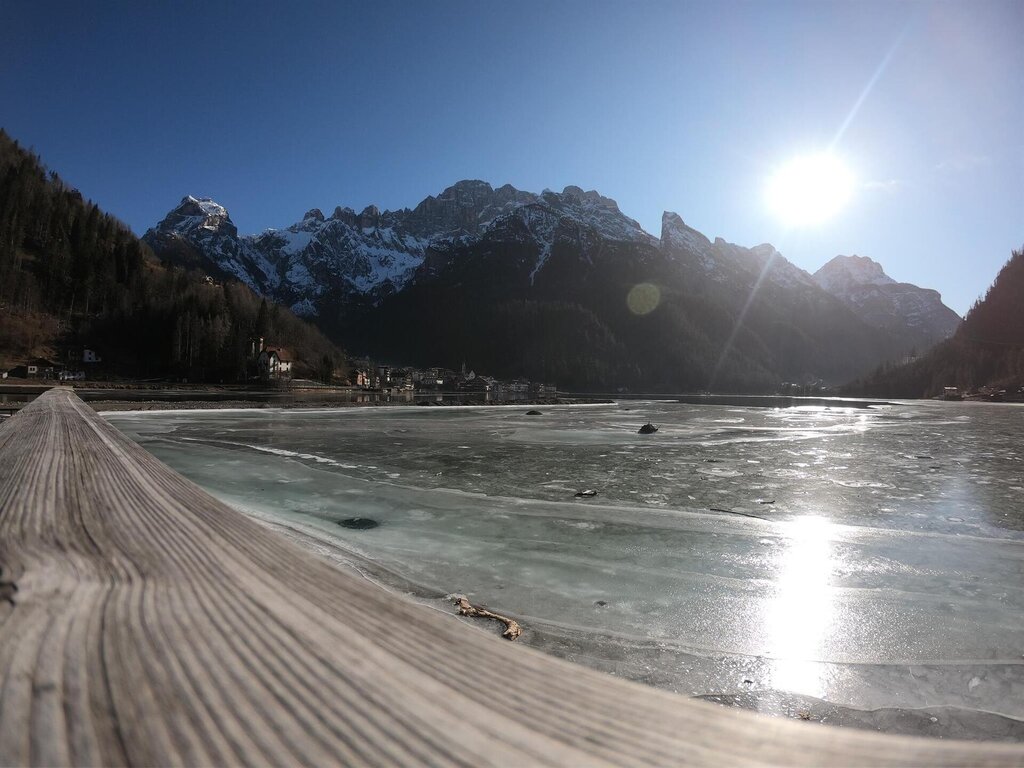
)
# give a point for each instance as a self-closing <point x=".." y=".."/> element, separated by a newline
<point x="799" y="615"/>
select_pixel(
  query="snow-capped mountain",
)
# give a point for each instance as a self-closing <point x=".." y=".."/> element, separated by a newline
<point x="200" y="232"/>
<point x="847" y="274"/>
<point x="537" y="284"/>
<point x="375" y="252"/>
<point x="723" y="261"/>
<point x="861" y="283"/>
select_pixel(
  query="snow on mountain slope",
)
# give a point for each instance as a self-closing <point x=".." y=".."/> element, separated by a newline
<point x="844" y="273"/>
<point x="204" y="225"/>
<point x="374" y="253"/>
<point x="601" y="214"/>
<point x="725" y="262"/>
<point x="861" y="283"/>
<point x="677" y="238"/>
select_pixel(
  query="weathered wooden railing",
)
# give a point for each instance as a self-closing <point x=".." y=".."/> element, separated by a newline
<point x="144" y="622"/>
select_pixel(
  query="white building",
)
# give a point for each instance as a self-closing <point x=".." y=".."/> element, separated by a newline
<point x="274" y="363"/>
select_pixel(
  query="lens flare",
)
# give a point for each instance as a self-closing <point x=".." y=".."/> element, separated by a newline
<point x="643" y="298"/>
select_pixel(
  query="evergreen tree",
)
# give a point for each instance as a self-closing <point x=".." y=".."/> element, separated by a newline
<point x="72" y="275"/>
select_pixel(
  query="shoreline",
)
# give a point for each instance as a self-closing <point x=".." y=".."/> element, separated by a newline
<point x="106" y="406"/>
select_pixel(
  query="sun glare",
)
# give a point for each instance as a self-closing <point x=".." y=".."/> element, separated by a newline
<point x="810" y="189"/>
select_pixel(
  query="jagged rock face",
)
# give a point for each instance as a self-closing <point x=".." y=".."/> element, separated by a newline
<point x="845" y="273"/>
<point x="477" y="264"/>
<point x="726" y="262"/>
<point x="676" y="237"/>
<point x="202" y="234"/>
<point x="465" y="208"/>
<point x="375" y="253"/>
<point x="916" y="313"/>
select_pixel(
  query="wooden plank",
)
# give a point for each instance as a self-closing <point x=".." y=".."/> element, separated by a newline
<point x="152" y="624"/>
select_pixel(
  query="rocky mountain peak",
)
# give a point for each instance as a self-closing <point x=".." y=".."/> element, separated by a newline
<point x="844" y="272"/>
<point x="346" y="215"/>
<point x="194" y="213"/>
<point x="464" y="209"/>
<point x="671" y="220"/>
<point x="200" y="232"/>
<point x="675" y="235"/>
<point x="596" y="212"/>
<point x="592" y="196"/>
<point x="861" y="283"/>
<point x="201" y="206"/>
<point x="468" y="191"/>
<point x="369" y="217"/>
<point x="764" y="251"/>
<point x="369" y="253"/>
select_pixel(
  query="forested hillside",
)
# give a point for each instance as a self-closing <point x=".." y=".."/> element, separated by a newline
<point x="605" y="314"/>
<point x="987" y="349"/>
<point x="72" y="276"/>
<point x="561" y="287"/>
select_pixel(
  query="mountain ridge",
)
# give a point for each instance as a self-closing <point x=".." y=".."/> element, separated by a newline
<point x="348" y="270"/>
<point x="373" y="250"/>
<point x="986" y="351"/>
<point x="896" y="307"/>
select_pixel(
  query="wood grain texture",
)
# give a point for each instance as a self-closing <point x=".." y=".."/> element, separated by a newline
<point x="143" y="622"/>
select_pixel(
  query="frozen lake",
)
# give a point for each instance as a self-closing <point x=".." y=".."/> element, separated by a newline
<point x="858" y="566"/>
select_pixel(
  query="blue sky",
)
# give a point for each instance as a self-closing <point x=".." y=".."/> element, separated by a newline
<point x="276" y="108"/>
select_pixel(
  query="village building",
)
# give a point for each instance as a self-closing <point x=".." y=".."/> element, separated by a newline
<point x="41" y="368"/>
<point x="272" y="363"/>
<point x="474" y="384"/>
<point x="521" y="386"/>
<point x="370" y="375"/>
<point x="80" y="363"/>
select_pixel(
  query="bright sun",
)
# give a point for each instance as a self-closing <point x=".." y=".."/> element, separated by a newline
<point x="809" y="189"/>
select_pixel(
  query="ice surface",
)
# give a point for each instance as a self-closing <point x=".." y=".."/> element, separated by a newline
<point x="866" y="557"/>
